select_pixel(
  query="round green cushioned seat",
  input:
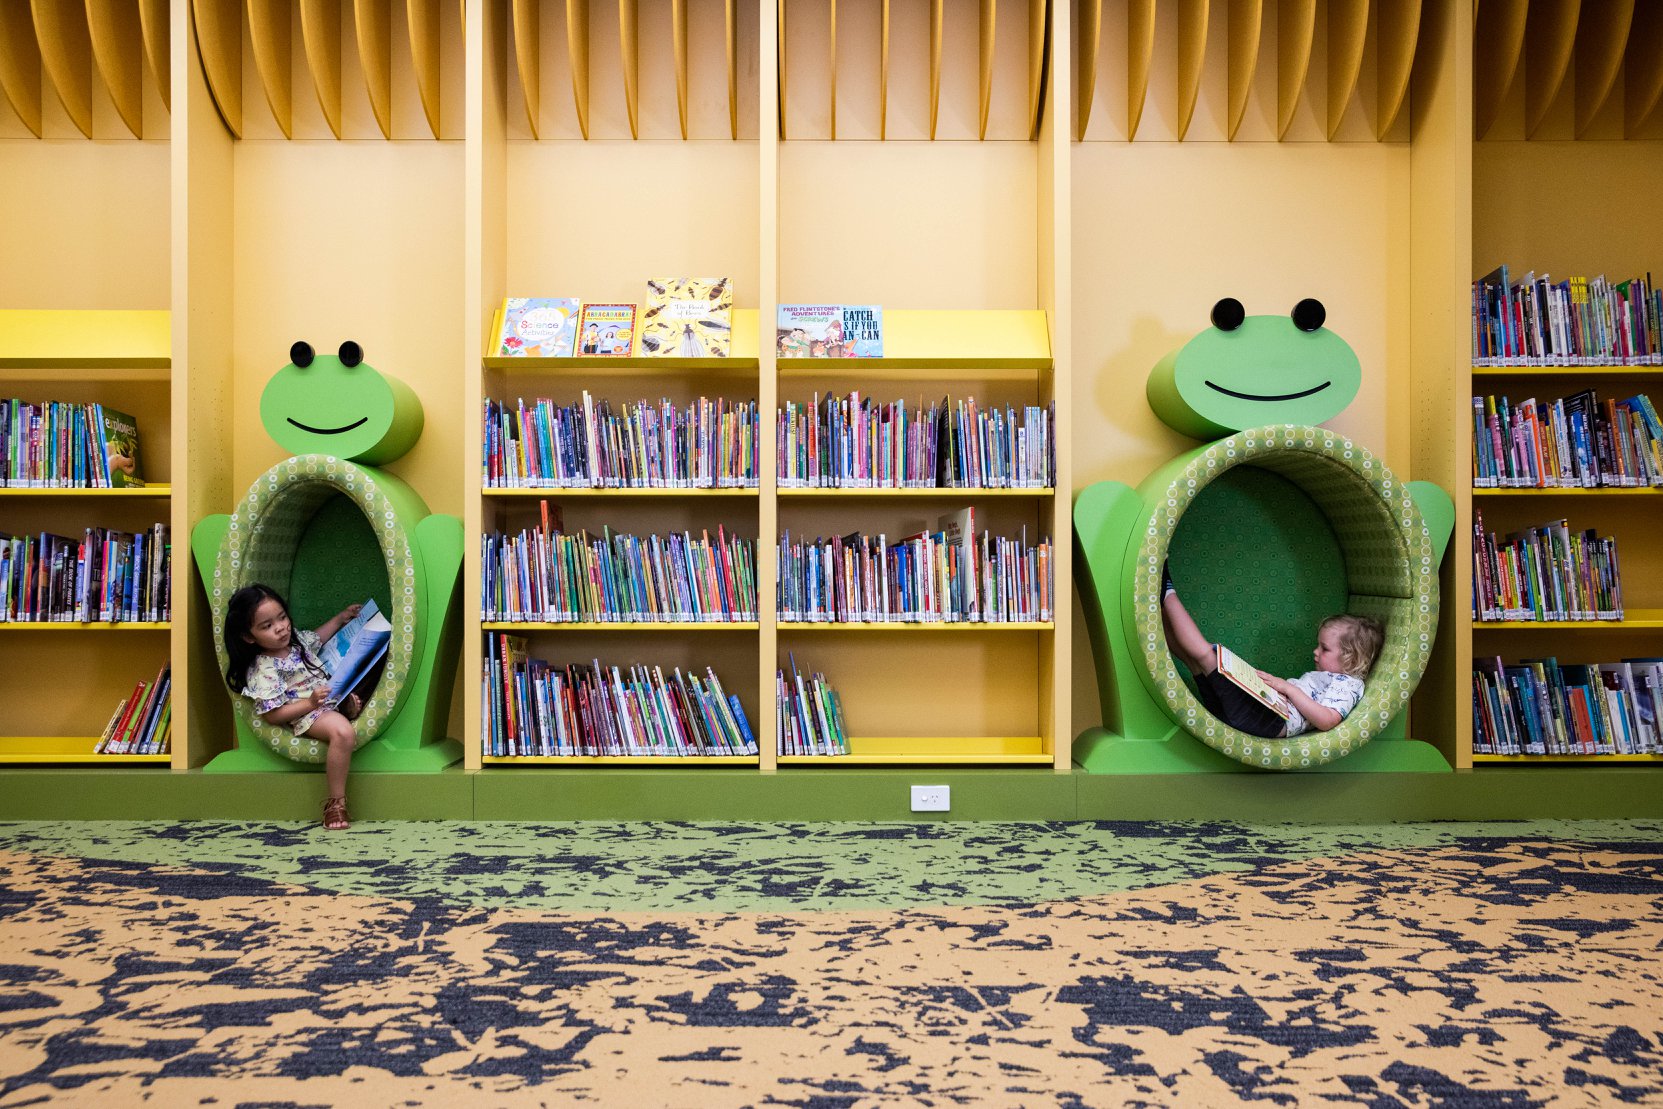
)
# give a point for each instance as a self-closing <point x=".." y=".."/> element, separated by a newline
<point x="265" y="532"/>
<point x="1390" y="572"/>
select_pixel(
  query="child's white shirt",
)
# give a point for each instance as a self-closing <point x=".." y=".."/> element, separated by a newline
<point x="1339" y="692"/>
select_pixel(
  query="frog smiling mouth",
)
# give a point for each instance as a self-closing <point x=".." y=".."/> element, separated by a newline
<point x="361" y="421"/>
<point x="1256" y="396"/>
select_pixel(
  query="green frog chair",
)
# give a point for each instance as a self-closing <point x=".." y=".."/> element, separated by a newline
<point x="1270" y="525"/>
<point x="325" y="528"/>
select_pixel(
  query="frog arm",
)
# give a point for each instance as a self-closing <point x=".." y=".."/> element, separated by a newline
<point x="1107" y="519"/>
<point x="424" y="708"/>
<point x="207" y="537"/>
<point x="1437" y="510"/>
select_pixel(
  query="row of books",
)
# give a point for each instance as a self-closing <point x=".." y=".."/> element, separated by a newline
<point x="142" y="723"/>
<point x="857" y="442"/>
<point x="683" y="317"/>
<point x="1548" y="572"/>
<point x="1577" y="442"/>
<point x="67" y="445"/>
<point x="1543" y="707"/>
<point x="534" y="708"/>
<point x="552" y="577"/>
<point x="708" y="444"/>
<point x="105" y="575"/>
<point x="944" y="576"/>
<point x="1579" y="321"/>
<point x="808" y="715"/>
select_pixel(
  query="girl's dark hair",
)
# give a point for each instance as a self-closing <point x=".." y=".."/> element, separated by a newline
<point x="239" y="618"/>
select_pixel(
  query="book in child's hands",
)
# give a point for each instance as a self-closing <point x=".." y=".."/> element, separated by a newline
<point x="121" y="448"/>
<point x="688" y="317"/>
<point x="1237" y="670"/>
<point x="538" y="327"/>
<point x="353" y="650"/>
<point x="607" y="329"/>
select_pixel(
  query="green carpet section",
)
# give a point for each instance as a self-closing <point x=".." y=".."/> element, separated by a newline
<point x="583" y="866"/>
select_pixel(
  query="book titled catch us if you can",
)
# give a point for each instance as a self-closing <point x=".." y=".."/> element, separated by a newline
<point x="688" y="317"/>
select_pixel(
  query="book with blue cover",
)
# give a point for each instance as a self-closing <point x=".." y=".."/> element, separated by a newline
<point x="352" y="652"/>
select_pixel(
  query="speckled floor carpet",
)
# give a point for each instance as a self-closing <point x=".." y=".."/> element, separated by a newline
<point x="1452" y="965"/>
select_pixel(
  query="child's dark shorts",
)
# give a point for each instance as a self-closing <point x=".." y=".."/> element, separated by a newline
<point x="1236" y="707"/>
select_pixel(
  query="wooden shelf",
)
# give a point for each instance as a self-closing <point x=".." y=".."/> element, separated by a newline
<point x="22" y="750"/>
<point x="146" y="491"/>
<point x="1562" y="491"/>
<point x="1635" y="620"/>
<point x="679" y="761"/>
<point x="510" y="494"/>
<point x="987" y="345"/>
<point x="1593" y="372"/>
<point x="878" y="627"/>
<point x="620" y="626"/>
<point x="1539" y="760"/>
<point x="87" y="626"/>
<point x="908" y="494"/>
<point x="932" y="751"/>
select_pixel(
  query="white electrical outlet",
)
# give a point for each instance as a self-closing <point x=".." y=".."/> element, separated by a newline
<point x="931" y="798"/>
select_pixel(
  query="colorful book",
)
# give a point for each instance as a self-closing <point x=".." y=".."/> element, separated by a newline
<point x="607" y="330"/>
<point x="829" y="331"/>
<point x="1239" y="671"/>
<point x="121" y="448"/>
<point x="688" y="317"/>
<point x="354" y="649"/>
<point x="863" y="330"/>
<point x="538" y="327"/>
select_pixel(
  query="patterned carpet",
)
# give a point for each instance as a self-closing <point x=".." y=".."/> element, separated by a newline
<point x="1459" y="965"/>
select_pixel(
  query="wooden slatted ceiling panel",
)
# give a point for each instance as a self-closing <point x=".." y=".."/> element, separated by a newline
<point x="270" y="31"/>
<point x="20" y="65"/>
<point x="1213" y="55"/>
<point x="66" y="56"/>
<point x="1643" y="66"/>
<point x="1600" y="38"/>
<point x="118" y="50"/>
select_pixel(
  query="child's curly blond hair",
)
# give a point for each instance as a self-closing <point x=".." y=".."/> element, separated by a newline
<point x="1361" y="638"/>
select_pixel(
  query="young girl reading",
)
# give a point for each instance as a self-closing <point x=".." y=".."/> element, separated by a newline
<point x="1317" y="700"/>
<point x="278" y="669"/>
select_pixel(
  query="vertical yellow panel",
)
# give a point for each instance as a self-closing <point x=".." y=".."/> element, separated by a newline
<point x="1549" y="40"/>
<point x="425" y="50"/>
<point x="1348" y="27"/>
<point x="219" y="40"/>
<point x="1091" y="38"/>
<point x="320" y="32"/>
<point x="731" y="41"/>
<point x="1399" y="24"/>
<point x="1246" y="18"/>
<point x="270" y="32"/>
<point x="883" y="74"/>
<point x="153" y="16"/>
<point x="1497" y="47"/>
<point x="118" y="48"/>
<point x="577" y="49"/>
<point x="20" y="65"/>
<point x="678" y="45"/>
<point x="1643" y="67"/>
<point x="374" y="25"/>
<point x="988" y="22"/>
<point x="1600" y="39"/>
<point x="528" y="57"/>
<point x="937" y="14"/>
<point x="1296" y="26"/>
<point x="1038" y="38"/>
<point x="1192" y="58"/>
<point x="1140" y="52"/>
<point x="66" y="55"/>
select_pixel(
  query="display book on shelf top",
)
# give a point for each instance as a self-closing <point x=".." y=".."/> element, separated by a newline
<point x="89" y="356"/>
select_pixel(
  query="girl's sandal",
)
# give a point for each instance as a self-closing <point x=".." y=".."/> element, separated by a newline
<point x="334" y="815"/>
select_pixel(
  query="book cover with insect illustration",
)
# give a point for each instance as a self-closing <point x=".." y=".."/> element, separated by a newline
<point x="538" y="327"/>
<point x="687" y="317"/>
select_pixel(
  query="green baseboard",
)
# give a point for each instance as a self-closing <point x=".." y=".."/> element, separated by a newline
<point x="1100" y="751"/>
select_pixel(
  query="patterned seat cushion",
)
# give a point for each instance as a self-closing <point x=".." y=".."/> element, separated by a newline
<point x="1391" y="574"/>
<point x="260" y="546"/>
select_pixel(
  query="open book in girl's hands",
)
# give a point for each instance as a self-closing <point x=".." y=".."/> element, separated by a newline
<point x="355" y="649"/>
<point x="1232" y="666"/>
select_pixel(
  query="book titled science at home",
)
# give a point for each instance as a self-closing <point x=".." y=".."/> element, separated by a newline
<point x="688" y="317"/>
<point x="538" y="327"/>
<point x="121" y="448"/>
<point x="607" y="329"/>
<point x="1233" y="667"/>
<point x="353" y="651"/>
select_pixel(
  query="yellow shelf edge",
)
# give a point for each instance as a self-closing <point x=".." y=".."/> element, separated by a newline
<point x="1642" y="622"/>
<point x="137" y="491"/>
<point x="84" y="626"/>
<point x="621" y="760"/>
<point x="1569" y="491"/>
<point x="835" y="492"/>
<point x="1567" y="371"/>
<point x="33" y="338"/>
<point x="852" y="626"/>
<point x="915" y="760"/>
<point x="593" y="492"/>
<point x="618" y="625"/>
<point x="1538" y="759"/>
<point x="622" y="367"/>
